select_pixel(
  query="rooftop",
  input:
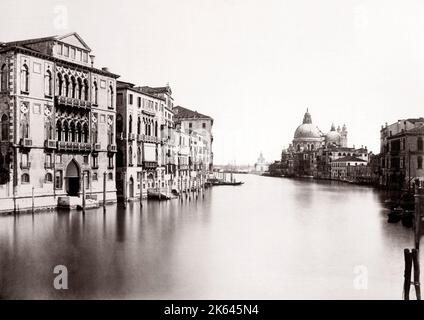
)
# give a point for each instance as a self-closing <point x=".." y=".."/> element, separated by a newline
<point x="184" y="113"/>
<point x="349" y="159"/>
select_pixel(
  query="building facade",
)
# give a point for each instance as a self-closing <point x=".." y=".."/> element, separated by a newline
<point x="402" y="153"/>
<point x="58" y="123"/>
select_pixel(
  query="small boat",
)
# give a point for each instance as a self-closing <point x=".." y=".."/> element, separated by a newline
<point x="227" y="183"/>
<point x="408" y="218"/>
<point x="157" y="195"/>
<point x="395" y="215"/>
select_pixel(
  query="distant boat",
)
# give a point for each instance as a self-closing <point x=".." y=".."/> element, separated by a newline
<point x="218" y="182"/>
<point x="395" y="215"/>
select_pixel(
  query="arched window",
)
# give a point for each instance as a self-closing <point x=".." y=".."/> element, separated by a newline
<point x="67" y="84"/>
<point x="130" y="124"/>
<point x="48" y="177"/>
<point x="130" y="156"/>
<point x="72" y="127"/>
<point x="66" y="131"/>
<point x="139" y="156"/>
<point x="3" y="78"/>
<point x="420" y="144"/>
<point x="85" y="90"/>
<point x="25" y="78"/>
<point x="59" y="84"/>
<point x="58" y="131"/>
<point x="73" y="87"/>
<point x="298" y="147"/>
<point x="85" y="133"/>
<point x="420" y="162"/>
<point x="110" y="97"/>
<point x="48" y="83"/>
<point x="110" y="176"/>
<point x="24" y="125"/>
<point x="4" y="128"/>
<point x="156" y="129"/>
<point x="80" y="89"/>
<point x="79" y="132"/>
<point x="25" y="178"/>
<point x="96" y="93"/>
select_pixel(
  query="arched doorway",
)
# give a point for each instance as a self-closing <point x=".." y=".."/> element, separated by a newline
<point x="131" y="187"/>
<point x="72" y="178"/>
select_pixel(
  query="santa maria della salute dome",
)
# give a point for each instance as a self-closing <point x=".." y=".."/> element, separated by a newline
<point x="309" y="137"/>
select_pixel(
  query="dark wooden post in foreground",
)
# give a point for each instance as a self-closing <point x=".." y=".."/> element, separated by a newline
<point x="407" y="273"/>
<point x="412" y="257"/>
<point x="416" y="264"/>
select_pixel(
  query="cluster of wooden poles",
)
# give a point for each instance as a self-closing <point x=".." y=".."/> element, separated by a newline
<point x="412" y="256"/>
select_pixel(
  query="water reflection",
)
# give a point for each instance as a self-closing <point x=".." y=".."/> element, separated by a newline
<point x="270" y="238"/>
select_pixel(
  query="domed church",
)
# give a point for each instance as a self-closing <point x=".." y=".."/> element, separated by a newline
<point x="307" y="136"/>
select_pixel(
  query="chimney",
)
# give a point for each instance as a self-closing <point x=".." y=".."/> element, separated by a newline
<point x="92" y="56"/>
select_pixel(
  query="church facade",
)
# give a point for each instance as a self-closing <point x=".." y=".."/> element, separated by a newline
<point x="312" y="152"/>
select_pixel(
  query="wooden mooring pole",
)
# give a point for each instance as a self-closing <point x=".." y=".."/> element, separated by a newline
<point x="407" y="274"/>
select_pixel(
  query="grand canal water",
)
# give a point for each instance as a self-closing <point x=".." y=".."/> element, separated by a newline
<point x="271" y="238"/>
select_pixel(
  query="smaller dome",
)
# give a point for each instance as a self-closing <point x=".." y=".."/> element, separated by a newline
<point x="333" y="137"/>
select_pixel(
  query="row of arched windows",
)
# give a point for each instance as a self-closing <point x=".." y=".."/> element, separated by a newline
<point x="130" y="156"/>
<point x="3" y="78"/>
<point x="72" y="131"/>
<point x="72" y="87"/>
<point x="150" y="128"/>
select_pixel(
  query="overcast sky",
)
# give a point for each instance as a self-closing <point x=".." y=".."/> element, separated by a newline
<point x="254" y="65"/>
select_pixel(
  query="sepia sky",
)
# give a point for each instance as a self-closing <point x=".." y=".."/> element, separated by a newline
<point x="254" y="65"/>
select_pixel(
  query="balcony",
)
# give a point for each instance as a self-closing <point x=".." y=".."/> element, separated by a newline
<point x="50" y="144"/>
<point x="74" y="146"/>
<point x="131" y="136"/>
<point x="25" y="142"/>
<point x="183" y="167"/>
<point x="97" y="146"/>
<point x="25" y="165"/>
<point x="150" y="164"/>
<point x="72" y="102"/>
<point x="151" y="139"/>
<point x="111" y="147"/>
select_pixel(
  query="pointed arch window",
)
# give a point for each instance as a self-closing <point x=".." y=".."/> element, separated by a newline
<point x="25" y="78"/>
<point x="73" y="87"/>
<point x="130" y="124"/>
<point x="59" y="84"/>
<point x="130" y="156"/>
<point x="58" y="130"/>
<point x="48" y="83"/>
<point x="85" y="134"/>
<point x="67" y="85"/>
<point x="80" y="89"/>
<point x="96" y="93"/>
<point x="110" y="97"/>
<point x="85" y="90"/>
<point x="4" y="128"/>
<point x="139" y="156"/>
<point x="3" y="78"/>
